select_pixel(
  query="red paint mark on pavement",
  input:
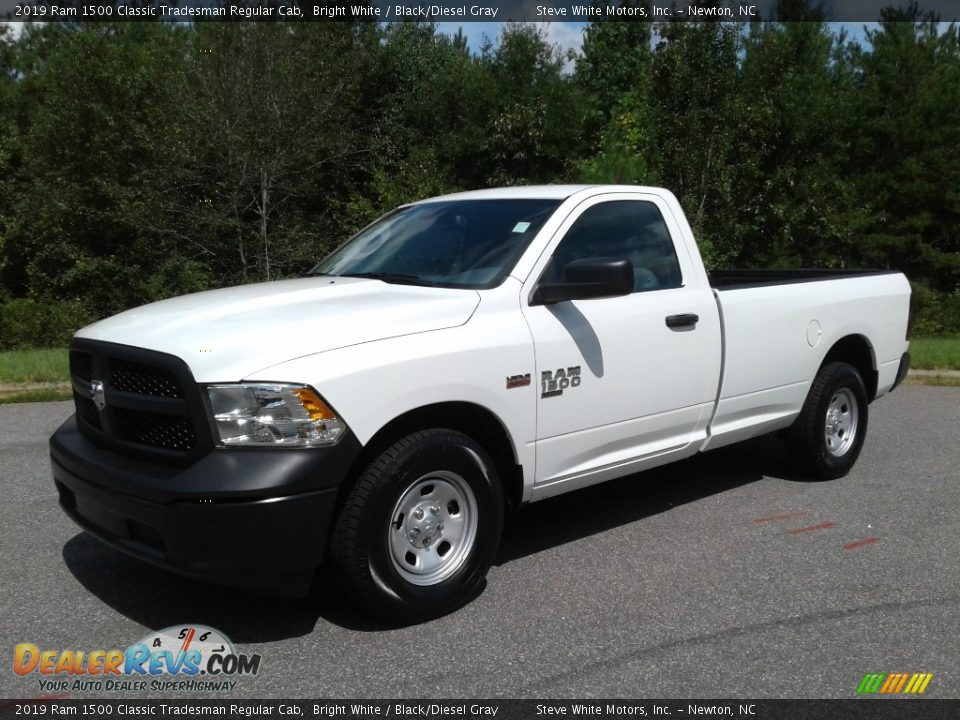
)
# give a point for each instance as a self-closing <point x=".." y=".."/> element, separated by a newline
<point x="860" y="543"/>
<point x="810" y="528"/>
<point x="774" y="518"/>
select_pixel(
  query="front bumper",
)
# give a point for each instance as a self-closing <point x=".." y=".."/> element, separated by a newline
<point x="252" y="518"/>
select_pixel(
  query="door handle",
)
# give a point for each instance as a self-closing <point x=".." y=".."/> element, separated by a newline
<point x="684" y="320"/>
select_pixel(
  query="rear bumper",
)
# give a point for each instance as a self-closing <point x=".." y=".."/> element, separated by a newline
<point x="257" y="519"/>
<point x="902" y="370"/>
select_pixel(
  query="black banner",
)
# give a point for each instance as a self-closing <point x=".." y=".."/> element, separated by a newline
<point x="856" y="709"/>
<point x="461" y="12"/>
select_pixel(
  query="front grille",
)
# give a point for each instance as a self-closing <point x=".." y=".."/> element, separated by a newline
<point x="151" y="405"/>
<point x="81" y="365"/>
<point x="87" y="411"/>
<point x="164" y="431"/>
<point x="144" y="380"/>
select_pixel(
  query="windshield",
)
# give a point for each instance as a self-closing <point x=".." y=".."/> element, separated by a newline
<point x="456" y="243"/>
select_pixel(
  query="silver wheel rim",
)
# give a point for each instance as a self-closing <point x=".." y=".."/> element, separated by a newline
<point x="433" y="528"/>
<point x="841" y="422"/>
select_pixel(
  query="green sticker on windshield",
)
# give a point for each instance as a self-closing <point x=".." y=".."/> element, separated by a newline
<point x="521" y="227"/>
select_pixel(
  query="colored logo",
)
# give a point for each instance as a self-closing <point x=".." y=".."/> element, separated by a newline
<point x="185" y="651"/>
<point x="894" y="683"/>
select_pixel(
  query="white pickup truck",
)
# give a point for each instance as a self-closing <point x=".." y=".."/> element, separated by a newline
<point x="459" y="357"/>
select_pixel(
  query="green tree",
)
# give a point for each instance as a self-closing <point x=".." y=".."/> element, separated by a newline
<point x="537" y="128"/>
<point x="91" y="118"/>
<point x="283" y="100"/>
<point x="796" y="102"/>
<point x="905" y="154"/>
<point x="614" y="71"/>
<point x="8" y="137"/>
<point x="139" y="161"/>
<point x="431" y="104"/>
<point x="614" y="65"/>
<point x="697" y="116"/>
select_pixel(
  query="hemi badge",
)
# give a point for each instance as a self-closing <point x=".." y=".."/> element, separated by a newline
<point x="515" y="381"/>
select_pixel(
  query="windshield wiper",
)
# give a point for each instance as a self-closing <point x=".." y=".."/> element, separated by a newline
<point x="396" y="278"/>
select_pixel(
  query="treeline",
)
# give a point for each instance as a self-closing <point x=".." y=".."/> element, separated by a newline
<point x="140" y="161"/>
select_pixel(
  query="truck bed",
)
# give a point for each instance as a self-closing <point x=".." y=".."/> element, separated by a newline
<point x="734" y="279"/>
<point x="777" y="327"/>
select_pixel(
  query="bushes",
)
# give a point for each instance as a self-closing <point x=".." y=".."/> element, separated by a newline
<point x="27" y="323"/>
<point x="935" y="313"/>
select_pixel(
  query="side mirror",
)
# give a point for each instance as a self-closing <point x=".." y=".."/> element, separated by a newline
<point x="586" y="279"/>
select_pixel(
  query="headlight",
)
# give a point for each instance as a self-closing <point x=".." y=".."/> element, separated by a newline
<point x="258" y="415"/>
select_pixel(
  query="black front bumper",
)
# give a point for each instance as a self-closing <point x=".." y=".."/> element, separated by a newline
<point x="251" y="518"/>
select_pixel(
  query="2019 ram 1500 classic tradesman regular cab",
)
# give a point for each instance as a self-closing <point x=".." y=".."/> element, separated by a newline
<point x="457" y="357"/>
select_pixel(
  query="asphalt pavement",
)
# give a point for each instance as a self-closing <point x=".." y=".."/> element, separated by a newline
<point x="724" y="577"/>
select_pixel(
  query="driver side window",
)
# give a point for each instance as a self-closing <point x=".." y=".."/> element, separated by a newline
<point x="632" y="229"/>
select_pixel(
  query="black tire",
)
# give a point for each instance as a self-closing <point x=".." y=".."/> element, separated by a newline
<point x="816" y="452"/>
<point x="365" y="550"/>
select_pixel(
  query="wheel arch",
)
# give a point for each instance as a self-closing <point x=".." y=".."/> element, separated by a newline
<point x="857" y="351"/>
<point x="471" y="419"/>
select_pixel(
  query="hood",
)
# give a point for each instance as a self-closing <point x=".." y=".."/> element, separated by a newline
<point x="227" y="335"/>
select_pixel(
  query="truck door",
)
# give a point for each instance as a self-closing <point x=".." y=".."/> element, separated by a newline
<point x="626" y="382"/>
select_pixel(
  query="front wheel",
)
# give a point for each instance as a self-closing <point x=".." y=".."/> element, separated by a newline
<point x="826" y="438"/>
<point x="420" y="529"/>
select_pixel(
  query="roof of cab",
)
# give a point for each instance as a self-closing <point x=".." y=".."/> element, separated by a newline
<point x="538" y="192"/>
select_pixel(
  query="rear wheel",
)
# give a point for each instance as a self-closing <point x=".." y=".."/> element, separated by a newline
<point x="420" y="529"/>
<point x="826" y="438"/>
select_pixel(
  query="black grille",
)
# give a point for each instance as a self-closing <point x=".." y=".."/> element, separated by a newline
<point x="87" y="411"/>
<point x="152" y="407"/>
<point x="144" y="380"/>
<point x="164" y="431"/>
<point x="81" y="365"/>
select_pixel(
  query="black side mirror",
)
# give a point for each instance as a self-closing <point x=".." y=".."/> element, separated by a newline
<point x="588" y="278"/>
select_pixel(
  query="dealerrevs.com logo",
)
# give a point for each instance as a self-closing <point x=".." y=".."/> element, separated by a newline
<point x="186" y="658"/>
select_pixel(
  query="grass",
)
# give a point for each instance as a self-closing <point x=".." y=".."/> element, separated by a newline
<point x="935" y="380"/>
<point x="38" y="395"/>
<point x="28" y="367"/>
<point x="935" y="353"/>
<point x="21" y="369"/>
